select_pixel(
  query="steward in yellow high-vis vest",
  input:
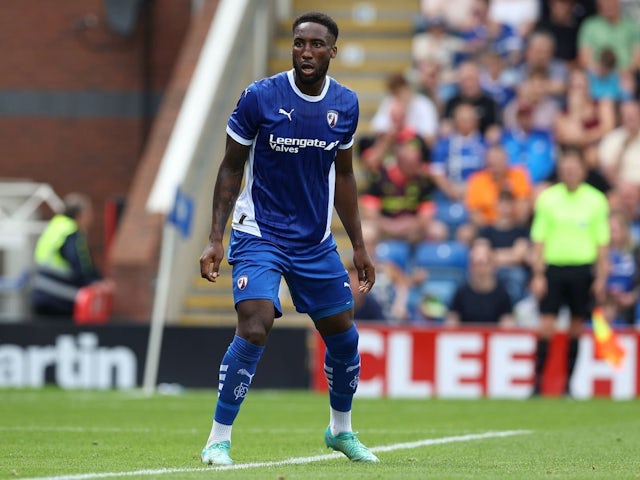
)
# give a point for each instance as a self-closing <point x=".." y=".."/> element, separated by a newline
<point x="63" y="261"/>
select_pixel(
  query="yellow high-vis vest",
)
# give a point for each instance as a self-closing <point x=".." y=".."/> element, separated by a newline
<point x="47" y="251"/>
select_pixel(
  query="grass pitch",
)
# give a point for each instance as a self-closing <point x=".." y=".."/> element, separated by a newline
<point x="76" y="435"/>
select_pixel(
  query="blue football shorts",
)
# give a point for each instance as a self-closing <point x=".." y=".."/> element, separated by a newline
<point x="315" y="275"/>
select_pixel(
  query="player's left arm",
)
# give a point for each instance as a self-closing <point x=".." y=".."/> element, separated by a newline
<point x="346" y="204"/>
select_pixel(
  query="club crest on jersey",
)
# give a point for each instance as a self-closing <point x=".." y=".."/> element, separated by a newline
<point x="332" y="118"/>
<point x="242" y="282"/>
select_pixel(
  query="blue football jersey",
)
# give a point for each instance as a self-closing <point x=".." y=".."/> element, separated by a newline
<point x="289" y="177"/>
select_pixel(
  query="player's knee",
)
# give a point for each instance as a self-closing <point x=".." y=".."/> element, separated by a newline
<point x="255" y="336"/>
<point x="255" y="329"/>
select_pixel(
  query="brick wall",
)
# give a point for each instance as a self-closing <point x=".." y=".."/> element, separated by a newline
<point x="136" y="249"/>
<point x="62" y="68"/>
<point x="73" y="112"/>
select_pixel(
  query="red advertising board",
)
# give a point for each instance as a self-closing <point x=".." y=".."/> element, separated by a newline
<point x="479" y="362"/>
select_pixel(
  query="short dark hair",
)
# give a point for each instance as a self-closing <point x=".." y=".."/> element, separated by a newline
<point x="317" y="17"/>
<point x="572" y="150"/>
<point x="75" y="203"/>
<point x="396" y="81"/>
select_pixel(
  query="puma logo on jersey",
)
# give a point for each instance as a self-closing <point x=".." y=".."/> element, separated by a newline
<point x="284" y="112"/>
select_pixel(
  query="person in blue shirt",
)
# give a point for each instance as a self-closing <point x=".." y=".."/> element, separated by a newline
<point x="458" y="153"/>
<point x="623" y="280"/>
<point x="533" y="148"/>
<point x="290" y="137"/>
<point x="606" y="81"/>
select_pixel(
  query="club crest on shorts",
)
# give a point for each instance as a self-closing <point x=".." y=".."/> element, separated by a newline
<point x="332" y="118"/>
<point x="242" y="282"/>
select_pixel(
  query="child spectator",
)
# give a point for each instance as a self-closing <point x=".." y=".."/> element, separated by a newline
<point x="609" y="28"/>
<point x="606" y="81"/>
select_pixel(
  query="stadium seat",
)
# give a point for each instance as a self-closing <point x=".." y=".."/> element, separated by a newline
<point x="453" y="214"/>
<point x="446" y="264"/>
<point x="397" y="251"/>
<point x="442" y="255"/>
<point x="92" y="306"/>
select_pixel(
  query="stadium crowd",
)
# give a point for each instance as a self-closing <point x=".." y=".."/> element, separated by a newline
<point x="466" y="141"/>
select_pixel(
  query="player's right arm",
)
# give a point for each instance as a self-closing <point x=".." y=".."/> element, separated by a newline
<point x="225" y="193"/>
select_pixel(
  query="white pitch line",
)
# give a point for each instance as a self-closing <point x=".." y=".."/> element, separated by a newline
<point x="290" y="461"/>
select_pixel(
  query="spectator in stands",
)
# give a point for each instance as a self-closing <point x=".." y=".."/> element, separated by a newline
<point x="625" y="197"/>
<point x="570" y="234"/>
<point x="619" y="150"/>
<point x="428" y="82"/>
<point x="495" y="79"/>
<point x="623" y="281"/>
<point x="521" y="15"/>
<point x="401" y="108"/>
<point x="583" y="121"/>
<point x="562" y="22"/>
<point x="606" y="81"/>
<point x="399" y="201"/>
<point x="459" y="153"/>
<point x="481" y="298"/>
<point x="439" y="43"/>
<point x="533" y="92"/>
<point x="485" y="187"/>
<point x="508" y="236"/>
<point x="63" y="261"/>
<point x="539" y="56"/>
<point x="532" y="148"/>
<point x="470" y="92"/>
<point x="485" y="34"/>
<point x="609" y="29"/>
<point x="457" y="14"/>
<point x="580" y="10"/>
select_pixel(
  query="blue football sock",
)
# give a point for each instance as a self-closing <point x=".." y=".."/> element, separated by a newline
<point x="237" y="369"/>
<point x="342" y="368"/>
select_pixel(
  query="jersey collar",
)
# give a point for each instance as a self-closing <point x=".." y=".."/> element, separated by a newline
<point x="308" y="98"/>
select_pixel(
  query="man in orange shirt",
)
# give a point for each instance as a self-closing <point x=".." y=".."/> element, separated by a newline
<point x="484" y="187"/>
